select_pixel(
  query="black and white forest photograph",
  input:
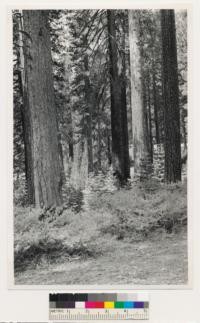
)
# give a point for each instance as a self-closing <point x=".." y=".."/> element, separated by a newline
<point x="100" y="141"/>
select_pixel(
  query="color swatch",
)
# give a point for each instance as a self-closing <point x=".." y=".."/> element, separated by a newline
<point x="99" y="306"/>
<point x="97" y="301"/>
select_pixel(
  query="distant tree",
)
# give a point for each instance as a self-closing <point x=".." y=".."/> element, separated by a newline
<point x="81" y="88"/>
<point x="59" y="36"/>
<point x="172" y="140"/>
<point x="40" y="113"/>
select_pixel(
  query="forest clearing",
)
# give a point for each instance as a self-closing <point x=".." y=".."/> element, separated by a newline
<point x="100" y="147"/>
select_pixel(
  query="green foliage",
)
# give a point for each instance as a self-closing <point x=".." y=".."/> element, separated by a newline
<point x="19" y="191"/>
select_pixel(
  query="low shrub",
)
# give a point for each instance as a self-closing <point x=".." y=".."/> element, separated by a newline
<point x="73" y="197"/>
<point x="20" y="197"/>
<point x="69" y="235"/>
<point x="63" y="233"/>
<point x="145" y="208"/>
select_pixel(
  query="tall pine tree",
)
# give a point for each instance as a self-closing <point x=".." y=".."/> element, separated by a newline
<point x="171" y="98"/>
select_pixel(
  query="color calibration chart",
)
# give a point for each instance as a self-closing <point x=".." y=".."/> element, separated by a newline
<point x="106" y="306"/>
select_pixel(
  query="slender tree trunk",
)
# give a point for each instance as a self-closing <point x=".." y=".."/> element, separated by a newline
<point x="99" y="138"/>
<point x="171" y="98"/>
<point x="71" y="135"/>
<point x="116" y="129"/>
<point x="25" y="118"/>
<point x="139" y="128"/>
<point x="150" y="121"/>
<point x="145" y="108"/>
<point x="44" y="158"/>
<point x="155" y="104"/>
<point x="184" y="131"/>
<point x="89" y="117"/>
<point x="71" y="145"/>
<point x="68" y="116"/>
<point x="109" y="153"/>
<point x="124" y="106"/>
<point x="118" y="108"/>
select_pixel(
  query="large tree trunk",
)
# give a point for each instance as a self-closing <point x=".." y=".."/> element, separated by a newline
<point x="171" y="98"/>
<point x="120" y="158"/>
<point x="43" y="153"/>
<point x="139" y="124"/>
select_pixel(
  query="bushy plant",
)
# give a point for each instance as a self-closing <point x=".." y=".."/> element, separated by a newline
<point x="145" y="208"/>
<point x="20" y="197"/>
<point x="73" y="197"/>
<point x="69" y="235"/>
<point x="98" y="184"/>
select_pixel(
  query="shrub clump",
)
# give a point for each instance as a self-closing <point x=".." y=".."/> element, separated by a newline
<point x="51" y="241"/>
<point x="20" y="191"/>
<point x="138" y="212"/>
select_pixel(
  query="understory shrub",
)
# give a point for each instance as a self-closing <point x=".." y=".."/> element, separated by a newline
<point x="145" y="208"/>
<point x="98" y="184"/>
<point x="20" y="197"/>
<point x="69" y="235"/>
<point x="73" y="197"/>
<point x="129" y="213"/>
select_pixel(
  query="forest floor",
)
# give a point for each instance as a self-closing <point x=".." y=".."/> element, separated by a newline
<point x="135" y="236"/>
<point x="139" y="263"/>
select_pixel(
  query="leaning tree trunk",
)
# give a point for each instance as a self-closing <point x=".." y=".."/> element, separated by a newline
<point x="120" y="158"/>
<point x="139" y="125"/>
<point x="171" y="98"/>
<point x="46" y="171"/>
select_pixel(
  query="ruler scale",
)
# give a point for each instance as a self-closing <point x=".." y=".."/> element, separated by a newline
<point x="77" y="307"/>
